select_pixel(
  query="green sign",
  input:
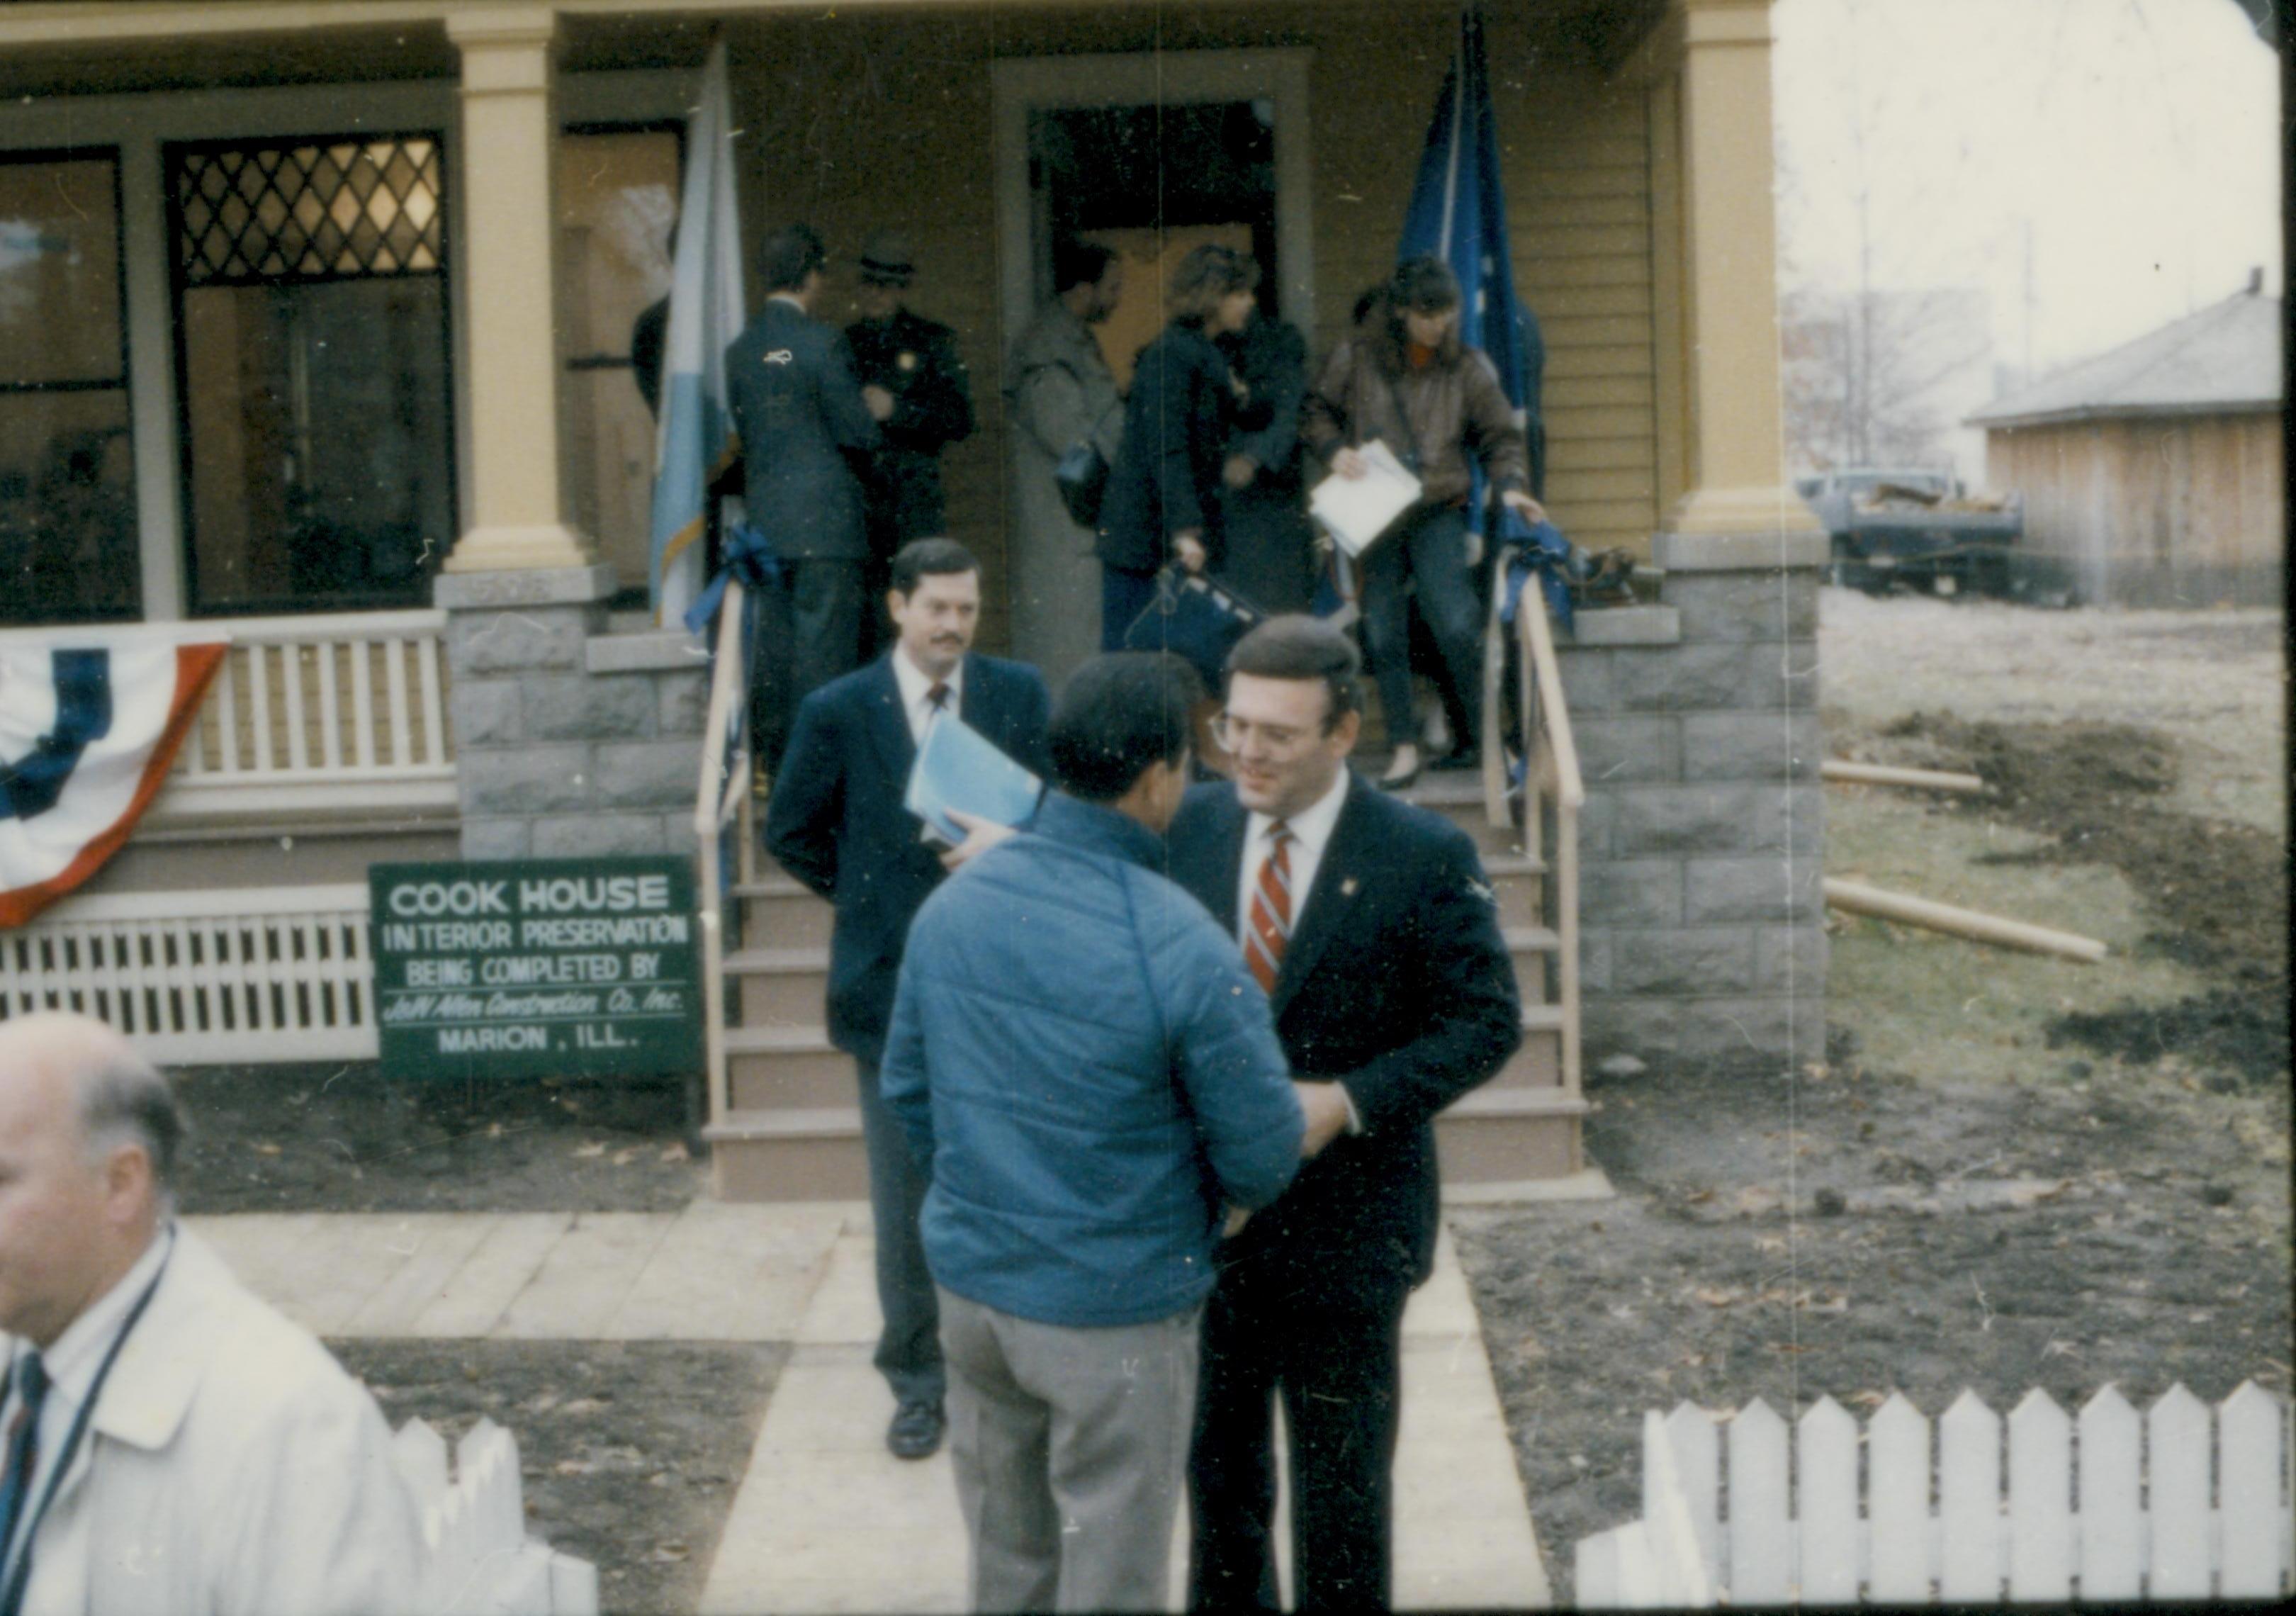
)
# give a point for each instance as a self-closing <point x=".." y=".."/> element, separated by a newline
<point x="559" y="967"/>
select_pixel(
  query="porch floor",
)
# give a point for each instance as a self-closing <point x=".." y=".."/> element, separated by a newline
<point x="802" y="1274"/>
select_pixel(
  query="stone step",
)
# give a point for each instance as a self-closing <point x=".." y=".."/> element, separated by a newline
<point x="784" y="988"/>
<point x="1537" y="1062"/>
<point x="1490" y="1136"/>
<point x="1458" y="797"/>
<point x="790" y="1155"/>
<point x="1520" y="879"/>
<point x="778" y="911"/>
<point x="1530" y="946"/>
<point x="1501" y="1135"/>
<point x="780" y="1068"/>
<point x="783" y="1067"/>
<point x="780" y="986"/>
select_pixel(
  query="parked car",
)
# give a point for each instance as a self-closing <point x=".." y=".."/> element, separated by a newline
<point x="1891" y="525"/>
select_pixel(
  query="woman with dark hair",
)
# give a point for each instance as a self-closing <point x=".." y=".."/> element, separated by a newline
<point x="1163" y="499"/>
<point x="1407" y="378"/>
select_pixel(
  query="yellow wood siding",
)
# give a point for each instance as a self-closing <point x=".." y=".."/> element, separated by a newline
<point x="859" y="120"/>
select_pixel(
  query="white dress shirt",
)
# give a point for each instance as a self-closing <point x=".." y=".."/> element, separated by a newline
<point x="916" y="692"/>
<point x="72" y="1361"/>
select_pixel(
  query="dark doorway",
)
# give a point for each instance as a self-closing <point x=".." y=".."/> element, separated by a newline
<point x="1151" y="182"/>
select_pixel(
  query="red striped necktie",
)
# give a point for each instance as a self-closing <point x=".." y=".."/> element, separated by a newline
<point x="1270" y="927"/>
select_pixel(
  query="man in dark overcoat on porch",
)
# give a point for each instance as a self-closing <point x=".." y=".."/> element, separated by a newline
<point x="803" y="424"/>
<point x="914" y="382"/>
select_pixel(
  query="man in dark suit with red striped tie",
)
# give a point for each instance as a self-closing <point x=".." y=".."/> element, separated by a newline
<point x="1369" y="923"/>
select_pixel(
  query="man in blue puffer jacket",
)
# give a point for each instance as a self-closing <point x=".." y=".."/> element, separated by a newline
<point x="1080" y="1055"/>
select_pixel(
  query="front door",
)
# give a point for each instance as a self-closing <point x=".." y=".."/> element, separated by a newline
<point x="1088" y="150"/>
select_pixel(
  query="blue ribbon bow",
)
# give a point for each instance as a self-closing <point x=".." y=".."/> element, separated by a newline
<point x="1539" y="547"/>
<point x="748" y="555"/>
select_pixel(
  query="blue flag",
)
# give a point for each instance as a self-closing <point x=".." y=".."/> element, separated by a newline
<point x="1458" y="214"/>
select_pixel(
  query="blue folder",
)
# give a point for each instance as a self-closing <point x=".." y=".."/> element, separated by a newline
<point x="959" y="768"/>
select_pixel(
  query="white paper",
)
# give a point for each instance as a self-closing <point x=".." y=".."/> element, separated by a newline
<point x="1357" y="510"/>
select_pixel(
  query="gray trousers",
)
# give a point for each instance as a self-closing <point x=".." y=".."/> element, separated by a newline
<point x="1070" y="1446"/>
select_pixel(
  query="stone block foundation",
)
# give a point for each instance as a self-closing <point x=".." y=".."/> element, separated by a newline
<point x="1702" y="840"/>
<point x="571" y="741"/>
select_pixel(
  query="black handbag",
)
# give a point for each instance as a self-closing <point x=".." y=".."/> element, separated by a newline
<point x="1195" y="619"/>
<point x="1082" y="478"/>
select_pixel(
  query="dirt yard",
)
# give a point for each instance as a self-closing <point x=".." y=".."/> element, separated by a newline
<point x="631" y="1450"/>
<point x="2011" y="1172"/>
<point x="340" y="1138"/>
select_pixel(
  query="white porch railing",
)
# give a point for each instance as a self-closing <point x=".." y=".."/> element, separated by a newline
<point x="2149" y="1524"/>
<point x="330" y="716"/>
<point x="722" y="797"/>
<point x="257" y="974"/>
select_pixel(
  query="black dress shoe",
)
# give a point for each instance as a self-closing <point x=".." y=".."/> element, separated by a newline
<point x="916" y="1430"/>
<point x="1400" y="782"/>
<point x="1465" y="758"/>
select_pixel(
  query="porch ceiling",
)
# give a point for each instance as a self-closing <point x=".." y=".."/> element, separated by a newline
<point x="605" y="33"/>
<point x="232" y="60"/>
<point x="51" y="49"/>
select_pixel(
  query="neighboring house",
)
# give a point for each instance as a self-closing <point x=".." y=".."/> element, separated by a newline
<point x="314" y="321"/>
<point x="2153" y="475"/>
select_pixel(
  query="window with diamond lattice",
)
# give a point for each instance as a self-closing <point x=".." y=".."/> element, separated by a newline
<point x="309" y="211"/>
<point x="311" y="313"/>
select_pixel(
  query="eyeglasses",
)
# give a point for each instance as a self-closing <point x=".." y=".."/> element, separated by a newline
<point x="1233" y="733"/>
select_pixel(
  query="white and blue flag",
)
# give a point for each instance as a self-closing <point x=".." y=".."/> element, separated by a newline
<point x="694" y="439"/>
<point x="1458" y="214"/>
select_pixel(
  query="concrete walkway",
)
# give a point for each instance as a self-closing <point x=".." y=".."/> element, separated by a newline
<point x="825" y="1520"/>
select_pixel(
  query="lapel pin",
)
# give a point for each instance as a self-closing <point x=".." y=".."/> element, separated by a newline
<point x="1348" y="887"/>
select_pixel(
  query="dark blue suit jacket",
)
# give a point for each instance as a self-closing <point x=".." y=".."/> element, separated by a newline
<point x="1398" y="984"/>
<point x="836" y="821"/>
<point x="799" y="411"/>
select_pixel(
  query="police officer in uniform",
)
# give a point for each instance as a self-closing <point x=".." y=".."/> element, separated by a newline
<point x="916" y="387"/>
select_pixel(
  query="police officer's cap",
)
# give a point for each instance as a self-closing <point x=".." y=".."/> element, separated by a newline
<point x="885" y="260"/>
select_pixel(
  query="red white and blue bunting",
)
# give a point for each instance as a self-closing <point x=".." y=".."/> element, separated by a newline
<point x="89" y="724"/>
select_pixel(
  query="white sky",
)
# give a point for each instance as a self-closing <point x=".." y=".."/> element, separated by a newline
<point x="2136" y="140"/>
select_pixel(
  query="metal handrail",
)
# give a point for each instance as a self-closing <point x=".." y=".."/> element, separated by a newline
<point x="721" y="796"/>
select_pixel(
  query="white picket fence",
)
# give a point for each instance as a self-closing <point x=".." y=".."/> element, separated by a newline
<point x="259" y="974"/>
<point x="481" y="1562"/>
<point x="2109" y="1505"/>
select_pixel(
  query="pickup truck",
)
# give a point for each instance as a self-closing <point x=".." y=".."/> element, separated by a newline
<point x="1891" y="526"/>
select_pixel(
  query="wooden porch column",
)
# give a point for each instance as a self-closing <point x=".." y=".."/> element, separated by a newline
<point x="1732" y="455"/>
<point x="509" y="129"/>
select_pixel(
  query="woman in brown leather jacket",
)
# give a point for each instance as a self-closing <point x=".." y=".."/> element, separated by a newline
<point x="1406" y="377"/>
